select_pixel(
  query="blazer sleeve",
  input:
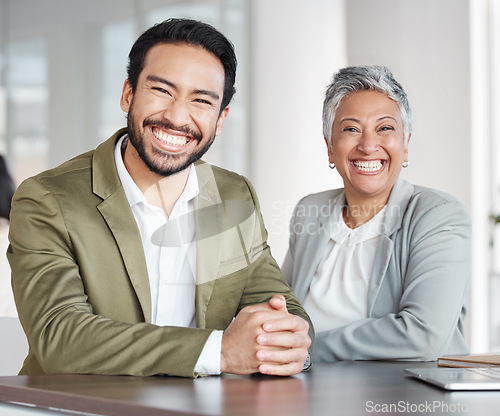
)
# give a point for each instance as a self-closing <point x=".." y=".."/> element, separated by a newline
<point x="434" y="262"/>
<point x="64" y="333"/>
<point x="265" y="277"/>
<point x="289" y="262"/>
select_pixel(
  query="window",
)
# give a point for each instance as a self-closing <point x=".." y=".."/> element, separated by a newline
<point x="26" y="98"/>
<point x="62" y="67"/>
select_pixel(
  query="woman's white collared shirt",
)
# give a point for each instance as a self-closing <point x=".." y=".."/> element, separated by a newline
<point x="338" y="294"/>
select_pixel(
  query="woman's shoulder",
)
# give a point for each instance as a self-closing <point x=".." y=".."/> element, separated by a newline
<point x="431" y="206"/>
<point x="420" y="197"/>
<point x="430" y="198"/>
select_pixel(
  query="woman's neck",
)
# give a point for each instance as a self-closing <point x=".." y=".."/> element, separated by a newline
<point x="359" y="212"/>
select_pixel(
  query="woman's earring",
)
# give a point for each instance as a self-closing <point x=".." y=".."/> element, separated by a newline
<point x="332" y="165"/>
<point x="405" y="164"/>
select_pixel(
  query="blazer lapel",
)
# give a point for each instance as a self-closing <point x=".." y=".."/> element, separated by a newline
<point x="315" y="245"/>
<point x="396" y="207"/>
<point x="209" y="221"/>
<point x="116" y="211"/>
<point x="381" y="262"/>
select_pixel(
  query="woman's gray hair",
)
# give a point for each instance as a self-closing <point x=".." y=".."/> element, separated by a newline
<point x="364" y="78"/>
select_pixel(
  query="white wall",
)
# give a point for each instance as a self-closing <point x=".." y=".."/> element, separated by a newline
<point x="13" y="346"/>
<point x="426" y="44"/>
<point x="296" y="48"/>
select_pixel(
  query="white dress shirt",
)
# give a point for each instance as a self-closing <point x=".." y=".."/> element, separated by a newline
<point x="170" y="250"/>
<point x="338" y="294"/>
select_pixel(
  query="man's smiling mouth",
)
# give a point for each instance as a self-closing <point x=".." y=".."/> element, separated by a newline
<point x="170" y="139"/>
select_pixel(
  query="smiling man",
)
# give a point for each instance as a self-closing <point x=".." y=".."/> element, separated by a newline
<point x="139" y="258"/>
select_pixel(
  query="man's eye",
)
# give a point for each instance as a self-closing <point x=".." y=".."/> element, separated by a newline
<point x="159" y="89"/>
<point x="202" y="101"/>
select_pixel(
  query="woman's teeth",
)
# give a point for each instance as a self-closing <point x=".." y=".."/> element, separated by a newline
<point x="368" y="166"/>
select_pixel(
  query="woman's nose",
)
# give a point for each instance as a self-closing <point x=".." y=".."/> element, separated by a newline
<point x="368" y="143"/>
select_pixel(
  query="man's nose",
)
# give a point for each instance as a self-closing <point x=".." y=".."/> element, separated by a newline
<point x="177" y="113"/>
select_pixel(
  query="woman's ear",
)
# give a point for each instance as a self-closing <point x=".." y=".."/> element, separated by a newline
<point x="330" y="153"/>
<point x="406" y="147"/>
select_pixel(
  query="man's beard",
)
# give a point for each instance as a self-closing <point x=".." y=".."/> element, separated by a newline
<point x="159" y="162"/>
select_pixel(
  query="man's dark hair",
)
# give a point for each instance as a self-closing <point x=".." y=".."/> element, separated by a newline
<point x="191" y="32"/>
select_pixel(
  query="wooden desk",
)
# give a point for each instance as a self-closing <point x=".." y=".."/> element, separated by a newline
<point x="343" y="388"/>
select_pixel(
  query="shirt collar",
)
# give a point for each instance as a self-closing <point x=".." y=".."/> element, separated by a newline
<point x="368" y="230"/>
<point x="132" y="191"/>
<point x="340" y="232"/>
<point x="192" y="189"/>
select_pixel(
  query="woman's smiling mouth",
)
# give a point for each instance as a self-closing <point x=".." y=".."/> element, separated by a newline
<point x="368" y="165"/>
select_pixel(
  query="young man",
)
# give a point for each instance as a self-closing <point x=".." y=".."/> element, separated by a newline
<point x="138" y="258"/>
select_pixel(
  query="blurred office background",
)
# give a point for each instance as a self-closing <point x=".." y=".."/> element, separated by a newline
<point x="62" y="66"/>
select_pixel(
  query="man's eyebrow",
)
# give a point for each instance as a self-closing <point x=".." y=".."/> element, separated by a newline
<point x="212" y="94"/>
<point x="156" y="78"/>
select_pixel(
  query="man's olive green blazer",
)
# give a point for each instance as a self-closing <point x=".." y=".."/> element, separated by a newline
<point x="80" y="279"/>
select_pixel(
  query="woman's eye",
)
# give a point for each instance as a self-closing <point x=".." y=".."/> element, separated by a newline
<point x="386" y="128"/>
<point x="350" y="129"/>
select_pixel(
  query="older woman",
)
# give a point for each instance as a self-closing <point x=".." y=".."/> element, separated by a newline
<point x="382" y="266"/>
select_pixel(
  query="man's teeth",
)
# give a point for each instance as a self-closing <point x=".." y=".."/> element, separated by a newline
<point x="169" y="139"/>
<point x="368" y="166"/>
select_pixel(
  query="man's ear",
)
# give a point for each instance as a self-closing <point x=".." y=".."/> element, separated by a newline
<point x="221" y="120"/>
<point x="127" y="95"/>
